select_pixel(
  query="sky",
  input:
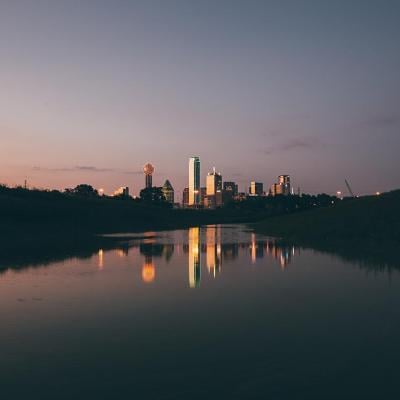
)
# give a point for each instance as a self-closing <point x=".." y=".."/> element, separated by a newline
<point x="91" y="90"/>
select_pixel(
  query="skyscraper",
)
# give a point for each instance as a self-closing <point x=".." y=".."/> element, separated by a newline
<point x="284" y="182"/>
<point x="168" y="192"/>
<point x="214" y="189"/>
<point x="194" y="181"/>
<point x="214" y="183"/>
<point x="256" y="189"/>
<point x="282" y="187"/>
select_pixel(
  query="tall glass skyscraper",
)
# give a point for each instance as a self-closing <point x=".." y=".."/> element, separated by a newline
<point x="194" y="181"/>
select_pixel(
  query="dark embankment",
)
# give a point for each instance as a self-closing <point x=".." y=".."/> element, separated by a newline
<point x="366" y="227"/>
<point x="34" y="221"/>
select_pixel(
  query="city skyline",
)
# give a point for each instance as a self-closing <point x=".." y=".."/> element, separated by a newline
<point x="310" y="89"/>
<point x="249" y="187"/>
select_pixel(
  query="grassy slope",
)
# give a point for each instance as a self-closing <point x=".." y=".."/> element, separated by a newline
<point x="369" y="219"/>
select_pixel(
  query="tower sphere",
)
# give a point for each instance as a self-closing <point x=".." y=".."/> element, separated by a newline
<point x="148" y="169"/>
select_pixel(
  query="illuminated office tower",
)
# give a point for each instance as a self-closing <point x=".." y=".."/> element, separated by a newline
<point x="213" y="189"/>
<point x="284" y="183"/>
<point x="194" y="257"/>
<point x="214" y="183"/>
<point x="148" y="170"/>
<point x="168" y="192"/>
<point x="194" y="181"/>
<point x="256" y="189"/>
<point x="282" y="187"/>
<point x="274" y="190"/>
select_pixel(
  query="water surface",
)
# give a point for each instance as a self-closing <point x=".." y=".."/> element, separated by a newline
<point x="210" y="312"/>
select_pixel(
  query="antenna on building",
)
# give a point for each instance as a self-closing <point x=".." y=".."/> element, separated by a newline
<point x="25" y="184"/>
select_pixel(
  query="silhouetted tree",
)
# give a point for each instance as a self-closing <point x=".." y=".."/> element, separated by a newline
<point x="83" y="190"/>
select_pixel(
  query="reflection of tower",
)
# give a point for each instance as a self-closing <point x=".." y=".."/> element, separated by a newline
<point x="256" y="249"/>
<point x="148" y="170"/>
<point x="253" y="248"/>
<point x="281" y="252"/>
<point x="194" y="257"/>
<point x="100" y="262"/>
<point x="148" y="269"/>
<point x="214" y="258"/>
<point x="123" y="250"/>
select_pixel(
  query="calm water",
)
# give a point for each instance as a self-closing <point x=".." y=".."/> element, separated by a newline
<point x="211" y="312"/>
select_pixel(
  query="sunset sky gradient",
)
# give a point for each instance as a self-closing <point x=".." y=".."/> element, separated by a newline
<point x="92" y="90"/>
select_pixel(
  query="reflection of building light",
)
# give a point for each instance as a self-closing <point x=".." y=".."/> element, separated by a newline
<point x="253" y="248"/>
<point x="148" y="272"/>
<point x="121" y="253"/>
<point x="213" y="249"/>
<point x="194" y="257"/>
<point x="282" y="260"/>
<point x="100" y="262"/>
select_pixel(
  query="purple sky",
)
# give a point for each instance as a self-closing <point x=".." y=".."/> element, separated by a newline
<point x="92" y="90"/>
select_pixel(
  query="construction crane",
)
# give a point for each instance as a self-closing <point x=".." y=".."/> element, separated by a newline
<point x="349" y="188"/>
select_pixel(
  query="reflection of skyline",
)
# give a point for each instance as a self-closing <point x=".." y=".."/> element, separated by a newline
<point x="233" y="244"/>
<point x="216" y="251"/>
<point x="216" y="243"/>
<point x="209" y="241"/>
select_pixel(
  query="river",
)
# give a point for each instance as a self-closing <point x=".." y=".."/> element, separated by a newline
<point x="202" y="313"/>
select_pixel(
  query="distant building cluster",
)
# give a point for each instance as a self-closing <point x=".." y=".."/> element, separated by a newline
<point x="281" y="187"/>
<point x="216" y="193"/>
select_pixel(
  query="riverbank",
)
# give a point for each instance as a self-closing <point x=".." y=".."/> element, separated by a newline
<point x="370" y="218"/>
<point x="34" y="222"/>
<point x="368" y="225"/>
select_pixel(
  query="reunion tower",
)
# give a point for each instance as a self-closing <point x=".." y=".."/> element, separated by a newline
<point x="148" y="170"/>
